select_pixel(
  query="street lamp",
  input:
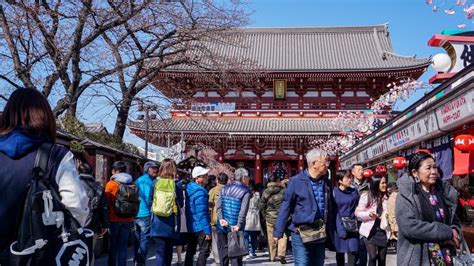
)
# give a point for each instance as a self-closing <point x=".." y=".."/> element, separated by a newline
<point x="146" y="118"/>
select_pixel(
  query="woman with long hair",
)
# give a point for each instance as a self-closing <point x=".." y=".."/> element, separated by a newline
<point x="369" y="211"/>
<point x="346" y="237"/>
<point x="26" y="123"/>
<point x="166" y="228"/>
<point x="428" y="229"/>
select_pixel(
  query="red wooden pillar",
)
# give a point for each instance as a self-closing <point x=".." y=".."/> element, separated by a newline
<point x="258" y="169"/>
<point x="300" y="162"/>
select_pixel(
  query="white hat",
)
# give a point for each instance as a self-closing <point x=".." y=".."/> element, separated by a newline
<point x="199" y="171"/>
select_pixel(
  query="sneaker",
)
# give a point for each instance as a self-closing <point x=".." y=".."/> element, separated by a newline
<point x="282" y="260"/>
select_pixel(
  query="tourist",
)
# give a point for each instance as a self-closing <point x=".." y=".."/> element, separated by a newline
<point x="143" y="218"/>
<point x="232" y="206"/>
<point x="222" y="180"/>
<point x="346" y="236"/>
<point x="369" y="211"/>
<point x="359" y="183"/>
<point x="391" y="216"/>
<point x="165" y="227"/>
<point x="197" y="215"/>
<point x="429" y="230"/>
<point x="25" y="124"/>
<point x="120" y="224"/>
<point x="270" y="203"/>
<point x="307" y="202"/>
<point x="252" y="223"/>
<point x="98" y="219"/>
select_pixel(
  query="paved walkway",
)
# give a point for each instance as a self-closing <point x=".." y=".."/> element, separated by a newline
<point x="261" y="259"/>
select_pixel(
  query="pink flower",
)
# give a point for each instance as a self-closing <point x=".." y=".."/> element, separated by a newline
<point x="449" y="12"/>
<point x="429" y="2"/>
<point x="461" y="26"/>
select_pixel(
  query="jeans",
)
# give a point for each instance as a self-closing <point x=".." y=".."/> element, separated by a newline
<point x="119" y="234"/>
<point x="251" y="236"/>
<point x="307" y="254"/>
<point x="222" y="241"/>
<point x="164" y="251"/>
<point x="142" y="239"/>
<point x="5" y="256"/>
<point x="194" y="240"/>
<point x="361" y="257"/>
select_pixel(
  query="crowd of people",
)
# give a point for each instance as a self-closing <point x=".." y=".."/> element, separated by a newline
<point x="309" y="212"/>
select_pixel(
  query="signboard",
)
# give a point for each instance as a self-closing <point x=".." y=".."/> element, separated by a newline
<point x="456" y="112"/>
<point x="279" y="89"/>
<point x="416" y="131"/>
<point x="378" y="149"/>
<point x="213" y="107"/>
<point x="462" y="55"/>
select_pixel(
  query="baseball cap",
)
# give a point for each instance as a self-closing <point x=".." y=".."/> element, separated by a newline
<point x="148" y="165"/>
<point x="199" y="171"/>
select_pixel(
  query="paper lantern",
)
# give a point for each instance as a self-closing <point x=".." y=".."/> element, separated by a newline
<point x="441" y="62"/>
<point x="464" y="142"/>
<point x="368" y="173"/>
<point x="400" y="162"/>
<point x="381" y="169"/>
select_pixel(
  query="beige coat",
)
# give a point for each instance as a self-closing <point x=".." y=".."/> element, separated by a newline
<point x="391" y="218"/>
<point x="213" y="195"/>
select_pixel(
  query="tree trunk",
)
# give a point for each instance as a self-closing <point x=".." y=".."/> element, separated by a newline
<point x="72" y="110"/>
<point x="122" y="117"/>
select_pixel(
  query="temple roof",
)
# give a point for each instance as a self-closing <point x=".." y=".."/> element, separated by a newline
<point x="255" y="126"/>
<point x="309" y="49"/>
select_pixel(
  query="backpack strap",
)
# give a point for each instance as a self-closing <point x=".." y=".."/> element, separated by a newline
<point x="42" y="159"/>
<point x="41" y="171"/>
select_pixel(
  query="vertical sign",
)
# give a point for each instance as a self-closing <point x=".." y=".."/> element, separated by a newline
<point x="279" y="89"/>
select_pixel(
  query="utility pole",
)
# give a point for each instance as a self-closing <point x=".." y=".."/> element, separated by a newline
<point x="146" y="117"/>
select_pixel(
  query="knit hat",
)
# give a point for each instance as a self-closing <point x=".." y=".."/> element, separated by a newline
<point x="148" y="165"/>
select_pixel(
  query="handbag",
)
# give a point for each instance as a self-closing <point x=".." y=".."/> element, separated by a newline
<point x="236" y="245"/>
<point x="384" y="221"/>
<point x="350" y="224"/>
<point x="463" y="255"/>
<point x="313" y="233"/>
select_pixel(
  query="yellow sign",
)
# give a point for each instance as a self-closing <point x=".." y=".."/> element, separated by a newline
<point x="279" y="88"/>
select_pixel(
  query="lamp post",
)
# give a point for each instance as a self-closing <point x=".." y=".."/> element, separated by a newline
<point x="146" y="117"/>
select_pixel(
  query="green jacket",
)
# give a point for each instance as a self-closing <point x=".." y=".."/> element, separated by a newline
<point x="271" y="200"/>
<point x="213" y="195"/>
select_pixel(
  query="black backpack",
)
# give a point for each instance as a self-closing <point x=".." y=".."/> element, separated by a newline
<point x="126" y="201"/>
<point x="97" y="203"/>
<point x="48" y="234"/>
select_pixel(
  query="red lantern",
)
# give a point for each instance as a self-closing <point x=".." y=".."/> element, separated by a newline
<point x="381" y="169"/>
<point x="400" y="162"/>
<point x="368" y="173"/>
<point x="464" y="142"/>
<point x="423" y="150"/>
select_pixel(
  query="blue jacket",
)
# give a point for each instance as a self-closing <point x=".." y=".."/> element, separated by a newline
<point x="232" y="205"/>
<point x="345" y="203"/>
<point x="197" y="209"/>
<point x="145" y="185"/>
<point x="168" y="227"/>
<point x="299" y="204"/>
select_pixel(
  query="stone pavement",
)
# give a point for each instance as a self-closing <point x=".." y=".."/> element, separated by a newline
<point x="261" y="259"/>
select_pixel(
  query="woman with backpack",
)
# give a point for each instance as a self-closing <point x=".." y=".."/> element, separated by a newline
<point x="165" y="219"/>
<point x="369" y="211"/>
<point x="26" y="124"/>
<point x="252" y="221"/>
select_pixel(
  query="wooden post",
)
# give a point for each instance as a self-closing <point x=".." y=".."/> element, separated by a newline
<point x="258" y="169"/>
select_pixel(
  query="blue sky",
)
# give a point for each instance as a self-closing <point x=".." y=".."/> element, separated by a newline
<point x="411" y="25"/>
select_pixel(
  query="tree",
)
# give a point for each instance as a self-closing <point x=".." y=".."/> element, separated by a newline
<point x="117" y="48"/>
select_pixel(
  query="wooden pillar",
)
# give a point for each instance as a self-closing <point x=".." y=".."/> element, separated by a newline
<point x="300" y="162"/>
<point x="258" y="169"/>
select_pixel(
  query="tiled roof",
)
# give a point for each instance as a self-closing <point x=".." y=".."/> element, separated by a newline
<point x="315" y="49"/>
<point x="258" y="126"/>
